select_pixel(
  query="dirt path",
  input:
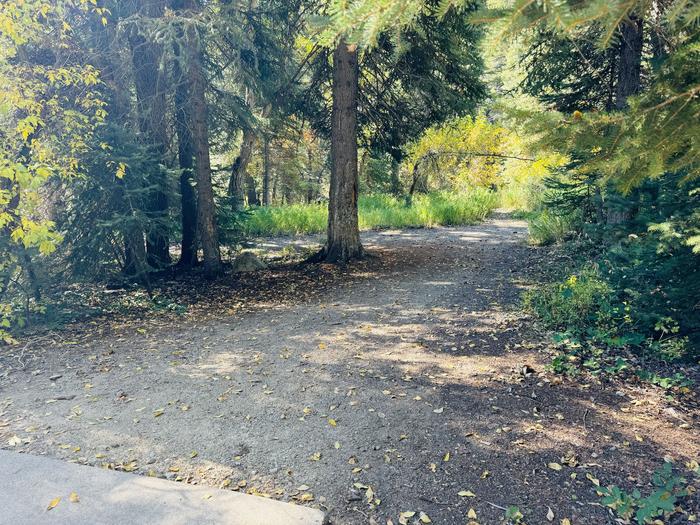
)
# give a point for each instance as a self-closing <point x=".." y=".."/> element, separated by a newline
<point x="408" y="378"/>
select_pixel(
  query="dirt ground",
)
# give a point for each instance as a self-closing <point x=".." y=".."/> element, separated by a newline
<point x="390" y="387"/>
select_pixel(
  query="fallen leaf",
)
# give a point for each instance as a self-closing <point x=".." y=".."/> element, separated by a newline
<point x="158" y="413"/>
<point x="466" y="494"/>
<point x="593" y="480"/>
<point x="446" y="457"/>
<point x="332" y="422"/>
<point x="550" y="514"/>
<point x="424" y="518"/>
<point x="565" y="521"/>
<point x="439" y="410"/>
<point x="53" y="503"/>
<point x="554" y="466"/>
<point x="471" y="514"/>
<point x="74" y="498"/>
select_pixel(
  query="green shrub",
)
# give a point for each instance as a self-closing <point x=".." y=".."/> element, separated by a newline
<point x="661" y="502"/>
<point x="582" y="301"/>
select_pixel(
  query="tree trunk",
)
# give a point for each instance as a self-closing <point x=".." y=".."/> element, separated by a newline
<point x="266" y="171"/>
<point x="237" y="181"/>
<point x="252" y="191"/>
<point x="630" y="65"/>
<point x="151" y="102"/>
<point x="343" y="242"/>
<point x="206" y="220"/>
<point x="185" y="153"/>
<point x="110" y="64"/>
<point x="134" y="251"/>
<point x="363" y="171"/>
<point x="628" y="83"/>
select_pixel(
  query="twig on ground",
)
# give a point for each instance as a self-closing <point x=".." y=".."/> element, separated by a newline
<point x="435" y="502"/>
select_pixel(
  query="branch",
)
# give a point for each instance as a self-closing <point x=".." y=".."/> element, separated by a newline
<point x="474" y="154"/>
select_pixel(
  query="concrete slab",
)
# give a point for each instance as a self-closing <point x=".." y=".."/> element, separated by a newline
<point x="30" y="483"/>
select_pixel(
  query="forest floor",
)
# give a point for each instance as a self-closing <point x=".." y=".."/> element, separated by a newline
<point x="386" y="387"/>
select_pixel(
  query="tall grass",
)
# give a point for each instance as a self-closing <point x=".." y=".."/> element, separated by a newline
<point x="377" y="211"/>
<point x="548" y="228"/>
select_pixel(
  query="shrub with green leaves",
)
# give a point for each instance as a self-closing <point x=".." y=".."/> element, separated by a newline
<point x="668" y="489"/>
<point x="582" y="301"/>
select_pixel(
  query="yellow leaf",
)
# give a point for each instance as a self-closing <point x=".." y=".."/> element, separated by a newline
<point x="593" y="480"/>
<point x="423" y="518"/>
<point x="466" y="494"/>
<point x="471" y="514"/>
<point x="565" y="521"/>
<point x="554" y="466"/>
<point x="332" y="422"/>
<point x="53" y="503"/>
<point x="158" y="413"/>
<point x="74" y="498"/>
<point x="446" y="457"/>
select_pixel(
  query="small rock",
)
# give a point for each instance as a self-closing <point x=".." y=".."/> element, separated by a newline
<point x="248" y="262"/>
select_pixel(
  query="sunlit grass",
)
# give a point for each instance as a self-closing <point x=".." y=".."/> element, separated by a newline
<point x="377" y="211"/>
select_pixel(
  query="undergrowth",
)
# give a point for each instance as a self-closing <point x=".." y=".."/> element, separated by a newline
<point x="376" y="211"/>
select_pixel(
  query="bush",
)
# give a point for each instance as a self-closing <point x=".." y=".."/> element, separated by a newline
<point x="582" y="301"/>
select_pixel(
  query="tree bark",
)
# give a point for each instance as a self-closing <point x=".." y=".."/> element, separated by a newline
<point x="252" y="191"/>
<point x="206" y="219"/>
<point x="628" y="83"/>
<point x="185" y="153"/>
<point x="266" y="171"/>
<point x="119" y="109"/>
<point x="237" y="181"/>
<point x="343" y="243"/>
<point x="630" y="64"/>
<point x="151" y="103"/>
